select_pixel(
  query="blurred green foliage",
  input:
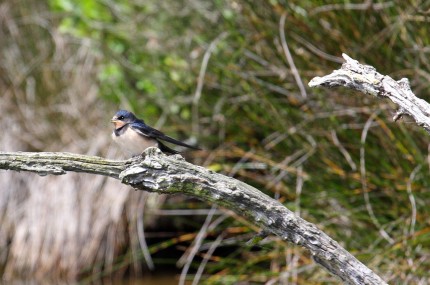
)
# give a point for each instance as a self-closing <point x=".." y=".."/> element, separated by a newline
<point x="364" y="176"/>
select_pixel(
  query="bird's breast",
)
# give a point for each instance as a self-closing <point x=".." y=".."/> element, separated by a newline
<point x="132" y="142"/>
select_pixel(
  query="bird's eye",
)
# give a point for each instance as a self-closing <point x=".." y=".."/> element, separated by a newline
<point x="121" y="118"/>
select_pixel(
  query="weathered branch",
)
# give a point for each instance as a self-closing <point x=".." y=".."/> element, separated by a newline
<point x="156" y="172"/>
<point x="366" y="79"/>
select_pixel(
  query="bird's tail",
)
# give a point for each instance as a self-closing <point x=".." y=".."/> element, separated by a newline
<point x="164" y="148"/>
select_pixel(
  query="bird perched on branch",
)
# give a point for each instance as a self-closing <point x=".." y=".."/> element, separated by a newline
<point x="134" y="136"/>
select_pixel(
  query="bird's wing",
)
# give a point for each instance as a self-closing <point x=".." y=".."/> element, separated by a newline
<point x="147" y="131"/>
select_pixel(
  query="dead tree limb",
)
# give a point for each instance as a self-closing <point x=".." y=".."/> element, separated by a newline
<point x="156" y="172"/>
<point x="366" y="79"/>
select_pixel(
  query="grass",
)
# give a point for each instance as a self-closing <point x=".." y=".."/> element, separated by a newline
<point x="336" y="158"/>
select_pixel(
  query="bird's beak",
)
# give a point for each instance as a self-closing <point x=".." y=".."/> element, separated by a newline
<point x="117" y="123"/>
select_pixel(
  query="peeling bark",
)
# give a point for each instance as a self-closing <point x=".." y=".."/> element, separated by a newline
<point x="156" y="172"/>
<point x="366" y="79"/>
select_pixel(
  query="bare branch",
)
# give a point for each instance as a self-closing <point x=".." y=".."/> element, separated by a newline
<point x="366" y="79"/>
<point x="156" y="172"/>
<point x="58" y="163"/>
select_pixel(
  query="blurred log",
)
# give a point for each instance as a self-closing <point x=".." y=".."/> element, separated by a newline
<point x="156" y="172"/>
<point x="366" y="79"/>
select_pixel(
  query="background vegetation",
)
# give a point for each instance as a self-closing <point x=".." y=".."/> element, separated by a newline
<point x="231" y="75"/>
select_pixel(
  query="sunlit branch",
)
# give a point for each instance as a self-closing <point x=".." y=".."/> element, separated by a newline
<point x="156" y="172"/>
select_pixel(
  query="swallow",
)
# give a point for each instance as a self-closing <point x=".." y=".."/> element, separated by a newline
<point x="134" y="136"/>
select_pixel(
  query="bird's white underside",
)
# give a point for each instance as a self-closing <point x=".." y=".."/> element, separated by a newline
<point x="133" y="143"/>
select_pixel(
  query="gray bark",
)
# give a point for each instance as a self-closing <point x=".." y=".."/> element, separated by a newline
<point x="366" y="79"/>
<point x="156" y="172"/>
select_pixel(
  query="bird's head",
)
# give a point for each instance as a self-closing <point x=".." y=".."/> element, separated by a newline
<point x="123" y="117"/>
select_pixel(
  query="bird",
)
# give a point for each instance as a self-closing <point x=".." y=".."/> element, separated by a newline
<point x="134" y="136"/>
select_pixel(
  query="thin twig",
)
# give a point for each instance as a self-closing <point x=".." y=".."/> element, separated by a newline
<point x="289" y="56"/>
<point x="206" y="258"/>
<point x="412" y="199"/>
<point x="365" y="189"/>
<point x="141" y="233"/>
<point x="343" y="151"/>
<point x="366" y="5"/>
<point x="200" y="81"/>
<point x="195" y="248"/>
